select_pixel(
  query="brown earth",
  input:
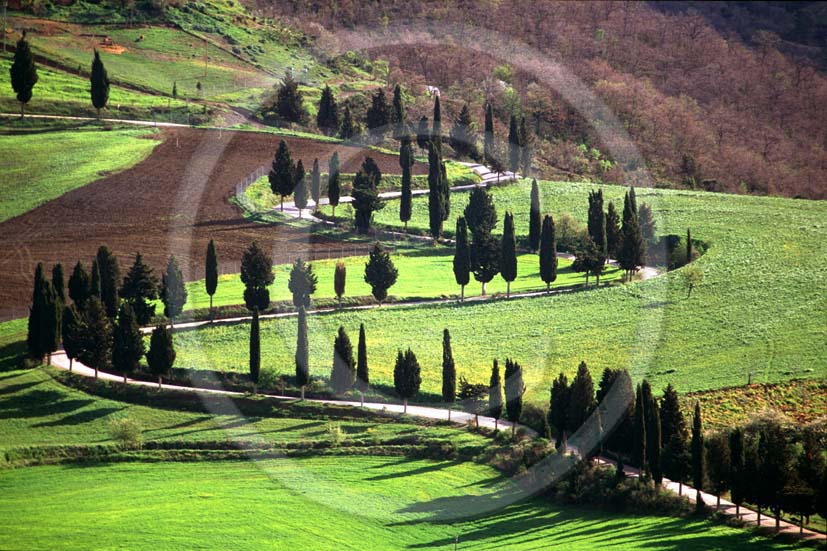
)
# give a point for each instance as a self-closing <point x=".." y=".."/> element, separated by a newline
<point x="173" y="202"/>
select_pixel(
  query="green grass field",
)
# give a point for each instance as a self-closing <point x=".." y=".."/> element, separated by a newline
<point x="42" y="166"/>
<point x="315" y="503"/>
<point x="420" y="276"/>
<point x="760" y="308"/>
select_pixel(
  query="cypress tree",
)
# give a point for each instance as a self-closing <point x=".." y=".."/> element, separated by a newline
<point x="256" y="275"/>
<point x="362" y="374"/>
<point x="406" y="376"/>
<point x="597" y="222"/>
<point x="73" y="332"/>
<point x="211" y="273"/>
<point x="736" y="469"/>
<point x="365" y="200"/>
<point x="480" y="213"/>
<point x="534" y="218"/>
<point x="380" y="273"/>
<point x="698" y="457"/>
<point x="436" y="131"/>
<point x="462" y="257"/>
<point x="96" y="350"/>
<point x="672" y="421"/>
<point x="333" y="186"/>
<point x="44" y="322"/>
<point x="423" y="133"/>
<point x="639" y="449"/>
<point x="613" y="236"/>
<point x="508" y="254"/>
<point x="445" y="188"/>
<point x="339" y="278"/>
<point x="300" y="188"/>
<point x="449" y="372"/>
<point x="173" y="290"/>
<point x="327" y="118"/>
<point x="109" y="277"/>
<point x="79" y="286"/>
<point x="717" y="455"/>
<point x="140" y="286"/>
<point x="398" y="117"/>
<point x="282" y="175"/>
<point x="775" y="468"/>
<point x="161" y="353"/>
<point x="302" y="283"/>
<point x="406" y="199"/>
<point x="378" y="116"/>
<point x="58" y="283"/>
<point x="688" y="246"/>
<point x="676" y="459"/>
<point x="646" y="221"/>
<point x="581" y="398"/>
<point x="513" y="146"/>
<point x="548" y="252"/>
<point x="99" y="88"/>
<point x="558" y="408"/>
<point x="289" y="103"/>
<point x="488" y="137"/>
<point x="39" y="281"/>
<point x="255" y="351"/>
<point x="654" y="443"/>
<point x="23" y="73"/>
<point x="347" y="131"/>
<point x="343" y="374"/>
<point x="95" y="281"/>
<point x="302" y="352"/>
<point x="495" y="394"/>
<point x="436" y="206"/>
<point x="463" y="138"/>
<point x="315" y="184"/>
<point x="631" y="243"/>
<point x="514" y="390"/>
<point x="526" y="143"/>
<point x="485" y="258"/>
<point x="175" y="89"/>
<point x="127" y="342"/>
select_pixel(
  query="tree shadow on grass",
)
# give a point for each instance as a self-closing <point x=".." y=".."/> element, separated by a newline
<point x="14" y="389"/>
<point x="182" y="424"/>
<point x="39" y="403"/>
<point x="432" y="467"/>
<point x="80" y="417"/>
<point x="11" y="355"/>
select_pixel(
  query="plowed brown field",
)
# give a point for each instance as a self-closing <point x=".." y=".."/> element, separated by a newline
<point x="174" y="202"/>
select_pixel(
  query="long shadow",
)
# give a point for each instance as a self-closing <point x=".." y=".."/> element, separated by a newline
<point x="11" y="354"/>
<point x="12" y="376"/>
<point x="80" y="417"/>
<point x="183" y="424"/>
<point x="13" y="389"/>
<point x="421" y="470"/>
<point x="39" y="403"/>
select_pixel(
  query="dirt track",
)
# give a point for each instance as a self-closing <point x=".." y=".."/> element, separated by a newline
<point x="174" y="202"/>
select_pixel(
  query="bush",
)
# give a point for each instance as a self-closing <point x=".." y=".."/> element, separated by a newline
<point x="127" y="433"/>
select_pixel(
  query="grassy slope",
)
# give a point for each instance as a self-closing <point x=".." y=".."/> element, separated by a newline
<point x="41" y="167"/>
<point x="760" y="307"/>
<point x="37" y="411"/>
<point x="419" y="276"/>
<point x="315" y="503"/>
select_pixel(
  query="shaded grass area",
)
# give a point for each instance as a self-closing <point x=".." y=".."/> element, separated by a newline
<point x="376" y="502"/>
<point x="43" y="166"/>
<point x="758" y="314"/>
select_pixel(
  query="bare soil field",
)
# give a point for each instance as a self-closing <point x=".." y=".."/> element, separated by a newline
<point x="174" y="202"/>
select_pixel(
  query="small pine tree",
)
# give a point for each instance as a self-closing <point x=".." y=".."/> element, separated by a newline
<point x="316" y="184"/>
<point x="449" y="372"/>
<point x="256" y="275"/>
<point x="127" y="342"/>
<point x="339" y="278"/>
<point x="289" y="101"/>
<point x="462" y="257"/>
<point x="282" y="175"/>
<point x="161" y="353"/>
<point x="300" y="188"/>
<point x="327" y="118"/>
<point x="646" y="221"/>
<point x="380" y="273"/>
<point x="343" y="374"/>
<point x="488" y="145"/>
<point x="362" y="373"/>
<point x="333" y="185"/>
<point x="96" y="350"/>
<point x="255" y="351"/>
<point x="23" y="73"/>
<point x="406" y="160"/>
<point x="139" y="289"/>
<point x="109" y="277"/>
<point x="698" y="456"/>
<point x="495" y="394"/>
<point x="548" y="253"/>
<point x="463" y="138"/>
<point x="672" y="421"/>
<point x="406" y="376"/>
<point x="173" y="290"/>
<point x="508" y="253"/>
<point x="514" y="390"/>
<point x="534" y="218"/>
<point x="348" y="130"/>
<point x="99" y="85"/>
<point x="485" y="258"/>
<point x="302" y="283"/>
<point x="302" y="358"/>
<point x="211" y="273"/>
<point x="377" y="117"/>
<point x="365" y="195"/>
<point x="480" y="213"/>
<point x="79" y="286"/>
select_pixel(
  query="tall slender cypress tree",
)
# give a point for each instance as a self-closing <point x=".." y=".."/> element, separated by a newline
<point x="449" y="372"/>
<point x="96" y="349"/>
<point x="333" y="185"/>
<point x="23" y="73"/>
<point x="339" y="279"/>
<point x="406" y="199"/>
<point x="535" y="220"/>
<point x="139" y="289"/>
<point x="211" y="273"/>
<point x="639" y="449"/>
<point x="348" y="129"/>
<point x="488" y="137"/>
<point x="462" y="257"/>
<point x="688" y="246"/>
<point x="436" y="131"/>
<point x="613" y="236"/>
<point x="698" y="457"/>
<point x="632" y="247"/>
<point x="398" y="117"/>
<point x="300" y="189"/>
<point x="302" y="352"/>
<point x="362" y="374"/>
<point x="548" y="252"/>
<point x="99" y="85"/>
<point x="79" y="286"/>
<point x="436" y="205"/>
<point x="127" y="342"/>
<point x="736" y="469"/>
<point x="378" y="116"/>
<point x="161" y="353"/>
<point x="95" y="281"/>
<point x="343" y="374"/>
<point x="73" y="331"/>
<point x="558" y="409"/>
<point x="327" y="118"/>
<point x="526" y="145"/>
<point x="406" y="376"/>
<point x="508" y="254"/>
<point x="581" y="398"/>
<point x="173" y="290"/>
<point x="495" y="394"/>
<point x="513" y="146"/>
<point x="423" y="133"/>
<point x="514" y="390"/>
<point x="109" y="277"/>
<point x="315" y="184"/>
<point x="597" y="221"/>
<point x="654" y="442"/>
<point x="58" y="283"/>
